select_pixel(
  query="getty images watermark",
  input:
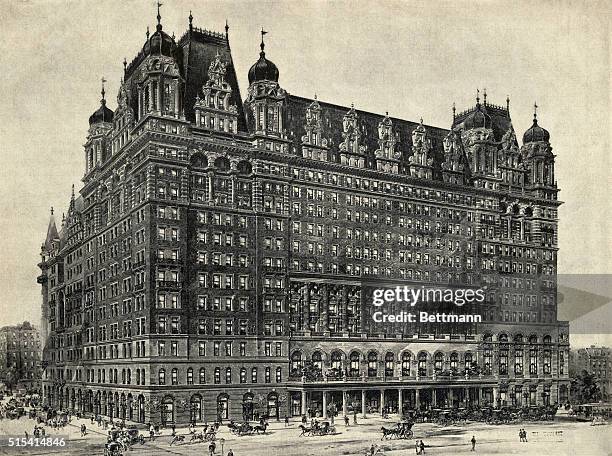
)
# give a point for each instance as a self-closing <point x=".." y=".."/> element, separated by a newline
<point x="411" y="297"/>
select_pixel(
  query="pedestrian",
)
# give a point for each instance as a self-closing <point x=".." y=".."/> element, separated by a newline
<point x="473" y="443"/>
<point x="417" y="447"/>
<point x="286" y="421"/>
<point x="422" y="447"/>
<point x="230" y="453"/>
<point x="346" y="420"/>
<point x="211" y="448"/>
<point x="524" y="435"/>
<point x="304" y="419"/>
<point x="173" y="429"/>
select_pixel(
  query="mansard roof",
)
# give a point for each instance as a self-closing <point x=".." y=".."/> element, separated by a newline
<point x="197" y="50"/>
<point x="499" y="117"/>
<point x="332" y="116"/>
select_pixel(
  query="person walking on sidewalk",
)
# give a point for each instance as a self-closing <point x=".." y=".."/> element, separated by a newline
<point x="473" y="443"/>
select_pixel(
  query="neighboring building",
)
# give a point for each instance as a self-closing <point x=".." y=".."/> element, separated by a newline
<point x="597" y="361"/>
<point x="220" y="258"/>
<point x="20" y="356"/>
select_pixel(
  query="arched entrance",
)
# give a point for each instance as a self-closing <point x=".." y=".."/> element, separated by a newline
<point x="248" y="407"/>
<point x="273" y="405"/>
<point x="195" y="408"/>
<point x="222" y="407"/>
<point x="141" y="408"/>
<point x="167" y="411"/>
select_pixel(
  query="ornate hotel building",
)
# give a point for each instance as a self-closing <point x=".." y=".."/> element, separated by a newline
<point x="220" y="257"/>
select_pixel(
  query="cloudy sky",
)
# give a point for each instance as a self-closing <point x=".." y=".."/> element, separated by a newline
<point x="411" y="58"/>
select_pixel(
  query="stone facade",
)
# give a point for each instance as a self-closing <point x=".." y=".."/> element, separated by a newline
<point x="220" y="258"/>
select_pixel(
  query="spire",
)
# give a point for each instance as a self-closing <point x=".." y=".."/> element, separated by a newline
<point x="477" y="96"/>
<point x="226" y="30"/>
<point x="454" y="110"/>
<point x="190" y="20"/>
<point x="484" y="95"/>
<point x="124" y="64"/>
<point x="262" y="45"/>
<point x="508" y="103"/>
<point x="148" y="32"/>
<point x="52" y="233"/>
<point x="535" y="112"/>
<point x="159" y="26"/>
<point x="103" y="92"/>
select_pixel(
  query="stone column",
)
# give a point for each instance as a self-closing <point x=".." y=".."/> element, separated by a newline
<point x="381" y="406"/>
<point x="451" y="397"/>
<point x="324" y="404"/>
<point x="363" y="403"/>
<point x="304" y="403"/>
<point x="211" y="177"/>
<point x="400" y="405"/>
<point x="417" y="399"/>
<point x="479" y="396"/>
<point x="434" y="398"/>
<point x="344" y="404"/>
<point x="495" y="395"/>
<point x="466" y="397"/>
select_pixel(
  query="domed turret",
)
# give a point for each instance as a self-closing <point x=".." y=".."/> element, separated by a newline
<point x="535" y="132"/>
<point x="263" y="69"/>
<point x="103" y="113"/>
<point x="160" y="43"/>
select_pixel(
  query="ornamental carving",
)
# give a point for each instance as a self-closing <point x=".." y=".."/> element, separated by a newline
<point x="351" y="134"/>
<point x="387" y="140"/>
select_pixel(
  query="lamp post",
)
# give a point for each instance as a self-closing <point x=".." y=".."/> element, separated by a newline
<point x="222" y="441"/>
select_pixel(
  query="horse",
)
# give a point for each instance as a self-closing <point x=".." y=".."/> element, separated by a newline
<point x="305" y="430"/>
<point x="261" y="428"/>
<point x="197" y="436"/>
<point x="387" y="433"/>
<point x="177" y="439"/>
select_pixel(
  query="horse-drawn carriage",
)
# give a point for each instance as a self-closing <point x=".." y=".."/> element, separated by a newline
<point x="134" y="436"/>
<point x="208" y="433"/>
<point x="402" y="430"/>
<point x="246" y="428"/>
<point x="323" y="428"/>
<point x="113" y="448"/>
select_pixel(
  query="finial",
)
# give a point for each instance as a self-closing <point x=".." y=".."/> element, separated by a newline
<point x="535" y="112"/>
<point x="386" y="113"/>
<point x="262" y="45"/>
<point x="159" y="26"/>
<point x="103" y="92"/>
<point x="173" y="35"/>
<point x="124" y="64"/>
<point x="190" y="20"/>
<point x="226" y="29"/>
<point x="315" y="97"/>
<point x="51" y="210"/>
<point x="508" y="103"/>
<point x="421" y="121"/>
<point x="147" y="32"/>
<point x="484" y="94"/>
<point x="72" y="195"/>
<point x="454" y="110"/>
<point x="477" y="96"/>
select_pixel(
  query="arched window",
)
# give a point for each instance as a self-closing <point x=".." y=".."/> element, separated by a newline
<point x="161" y="376"/>
<point x="406" y="363"/>
<point x="468" y="360"/>
<point x="533" y="355"/>
<point x="190" y="376"/>
<point x="503" y="359"/>
<point x="243" y="375"/>
<point x="317" y="361"/>
<point x="296" y="363"/>
<point x="354" y="364"/>
<point x="503" y="337"/>
<point x="175" y="376"/>
<point x="202" y="375"/>
<point x="454" y="361"/>
<point x="336" y="360"/>
<point x="438" y="362"/>
<point x="279" y="375"/>
<point x="389" y="364"/>
<point x="217" y="375"/>
<point x="546" y="361"/>
<point x="422" y="360"/>
<point x="228" y="375"/>
<point x="372" y="364"/>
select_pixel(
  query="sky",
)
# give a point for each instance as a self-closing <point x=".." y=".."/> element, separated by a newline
<point x="410" y="58"/>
